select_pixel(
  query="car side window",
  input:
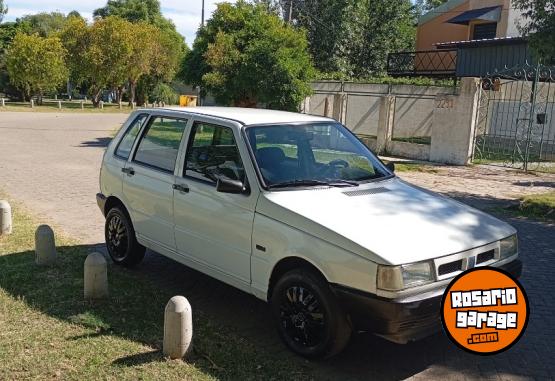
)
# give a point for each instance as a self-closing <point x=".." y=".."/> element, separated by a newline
<point x="159" y="144"/>
<point x="212" y="152"/>
<point x="125" y="145"/>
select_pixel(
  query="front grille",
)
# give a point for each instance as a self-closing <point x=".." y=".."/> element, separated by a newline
<point x="484" y="257"/>
<point x="450" y="267"/>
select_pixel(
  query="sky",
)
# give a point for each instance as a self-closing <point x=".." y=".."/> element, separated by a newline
<point x="186" y="14"/>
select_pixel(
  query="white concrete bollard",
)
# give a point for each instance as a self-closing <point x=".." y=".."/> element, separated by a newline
<point x="45" y="246"/>
<point x="5" y="218"/>
<point x="178" y="328"/>
<point x="60" y="105"/>
<point x="101" y="105"/>
<point x="133" y="105"/>
<point x="2" y="102"/>
<point x="120" y="104"/>
<point x="82" y="105"/>
<point x="96" y="276"/>
<point x="32" y="103"/>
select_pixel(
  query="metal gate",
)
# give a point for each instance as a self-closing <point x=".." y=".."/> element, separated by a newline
<point x="515" y="123"/>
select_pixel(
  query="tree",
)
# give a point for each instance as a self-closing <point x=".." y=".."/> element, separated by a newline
<point x="424" y="6"/>
<point x="36" y="64"/>
<point x="99" y="54"/>
<point x="44" y="24"/>
<point x="539" y="26"/>
<point x="246" y="55"/>
<point x="168" y="46"/>
<point x="353" y="37"/>
<point x="3" y="10"/>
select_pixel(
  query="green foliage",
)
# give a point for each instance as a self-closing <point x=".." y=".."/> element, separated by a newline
<point x="165" y="94"/>
<point x="36" y="64"/>
<point x="3" y="10"/>
<point x="44" y="24"/>
<point x="165" y="46"/>
<point x="418" y="81"/>
<point x="246" y="56"/>
<point x="540" y="26"/>
<point x="354" y="36"/>
<point x="424" y="6"/>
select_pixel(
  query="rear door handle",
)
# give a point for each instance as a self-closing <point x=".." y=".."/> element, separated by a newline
<point x="129" y="171"/>
<point x="181" y="188"/>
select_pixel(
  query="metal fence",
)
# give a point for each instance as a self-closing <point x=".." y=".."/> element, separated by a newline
<point x="433" y="63"/>
<point x="516" y="119"/>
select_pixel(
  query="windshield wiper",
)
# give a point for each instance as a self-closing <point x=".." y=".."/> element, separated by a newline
<point x="311" y="183"/>
<point x="337" y="182"/>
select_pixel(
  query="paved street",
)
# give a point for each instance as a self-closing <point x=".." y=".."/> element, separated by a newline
<point x="50" y="162"/>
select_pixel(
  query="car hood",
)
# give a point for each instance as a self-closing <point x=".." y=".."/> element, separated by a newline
<point x="389" y="222"/>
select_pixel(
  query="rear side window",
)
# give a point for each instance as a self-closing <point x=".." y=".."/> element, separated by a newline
<point x="159" y="145"/>
<point x="213" y="152"/>
<point x="126" y="144"/>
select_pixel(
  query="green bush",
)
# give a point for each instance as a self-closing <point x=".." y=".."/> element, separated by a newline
<point x="163" y="93"/>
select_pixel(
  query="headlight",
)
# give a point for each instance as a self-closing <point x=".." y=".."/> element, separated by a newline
<point x="508" y="247"/>
<point x="396" y="278"/>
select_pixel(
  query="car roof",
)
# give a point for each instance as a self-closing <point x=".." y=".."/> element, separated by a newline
<point x="250" y="116"/>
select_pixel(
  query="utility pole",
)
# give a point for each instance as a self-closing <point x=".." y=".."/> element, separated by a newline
<point x="202" y="22"/>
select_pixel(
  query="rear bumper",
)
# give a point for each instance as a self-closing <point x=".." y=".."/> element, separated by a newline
<point x="399" y="320"/>
<point x="101" y="201"/>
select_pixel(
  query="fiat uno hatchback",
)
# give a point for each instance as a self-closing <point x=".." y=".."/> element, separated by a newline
<point x="295" y="210"/>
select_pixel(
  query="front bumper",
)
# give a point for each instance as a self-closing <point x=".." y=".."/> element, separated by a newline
<point x="399" y="320"/>
<point x="101" y="201"/>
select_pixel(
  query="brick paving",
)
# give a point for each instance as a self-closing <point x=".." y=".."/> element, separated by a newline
<point x="50" y="162"/>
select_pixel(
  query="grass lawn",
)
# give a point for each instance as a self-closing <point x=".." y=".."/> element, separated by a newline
<point x="48" y="331"/>
<point x="540" y="206"/>
<point x="414" y="167"/>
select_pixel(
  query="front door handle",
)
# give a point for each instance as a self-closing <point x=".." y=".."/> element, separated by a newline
<point x="181" y="188"/>
<point x="129" y="171"/>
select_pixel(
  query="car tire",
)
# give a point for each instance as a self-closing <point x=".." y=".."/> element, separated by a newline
<point x="308" y="316"/>
<point x="121" y="240"/>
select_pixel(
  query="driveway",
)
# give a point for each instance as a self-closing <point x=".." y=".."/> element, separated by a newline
<point x="50" y="162"/>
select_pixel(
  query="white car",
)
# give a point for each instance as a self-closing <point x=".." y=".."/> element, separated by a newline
<point x="295" y="210"/>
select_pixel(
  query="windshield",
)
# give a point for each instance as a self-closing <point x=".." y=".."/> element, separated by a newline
<point x="312" y="154"/>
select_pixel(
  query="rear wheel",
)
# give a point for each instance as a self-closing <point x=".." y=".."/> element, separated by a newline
<point x="120" y="239"/>
<point x="309" y="319"/>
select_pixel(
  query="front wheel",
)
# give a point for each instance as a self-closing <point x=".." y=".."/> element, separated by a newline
<point x="309" y="319"/>
<point x="120" y="239"/>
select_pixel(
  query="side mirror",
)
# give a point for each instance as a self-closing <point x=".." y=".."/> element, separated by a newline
<point x="391" y="166"/>
<point x="227" y="185"/>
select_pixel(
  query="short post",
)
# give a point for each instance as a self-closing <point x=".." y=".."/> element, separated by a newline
<point x="45" y="246"/>
<point x="96" y="276"/>
<point x="133" y="105"/>
<point x="32" y="103"/>
<point x="178" y="328"/>
<point x="120" y="105"/>
<point x="2" y="102"/>
<point x="82" y="105"/>
<point x="101" y="105"/>
<point x="56" y="97"/>
<point x="5" y="218"/>
<point x="60" y="105"/>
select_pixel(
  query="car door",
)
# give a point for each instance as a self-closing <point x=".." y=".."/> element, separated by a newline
<point x="149" y="179"/>
<point x="214" y="229"/>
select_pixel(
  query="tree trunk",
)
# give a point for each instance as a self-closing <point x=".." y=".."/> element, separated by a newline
<point x="132" y="91"/>
<point x="119" y="94"/>
<point x="96" y="98"/>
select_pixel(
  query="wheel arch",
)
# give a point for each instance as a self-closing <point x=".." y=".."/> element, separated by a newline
<point x="287" y="264"/>
<point x="112" y="202"/>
